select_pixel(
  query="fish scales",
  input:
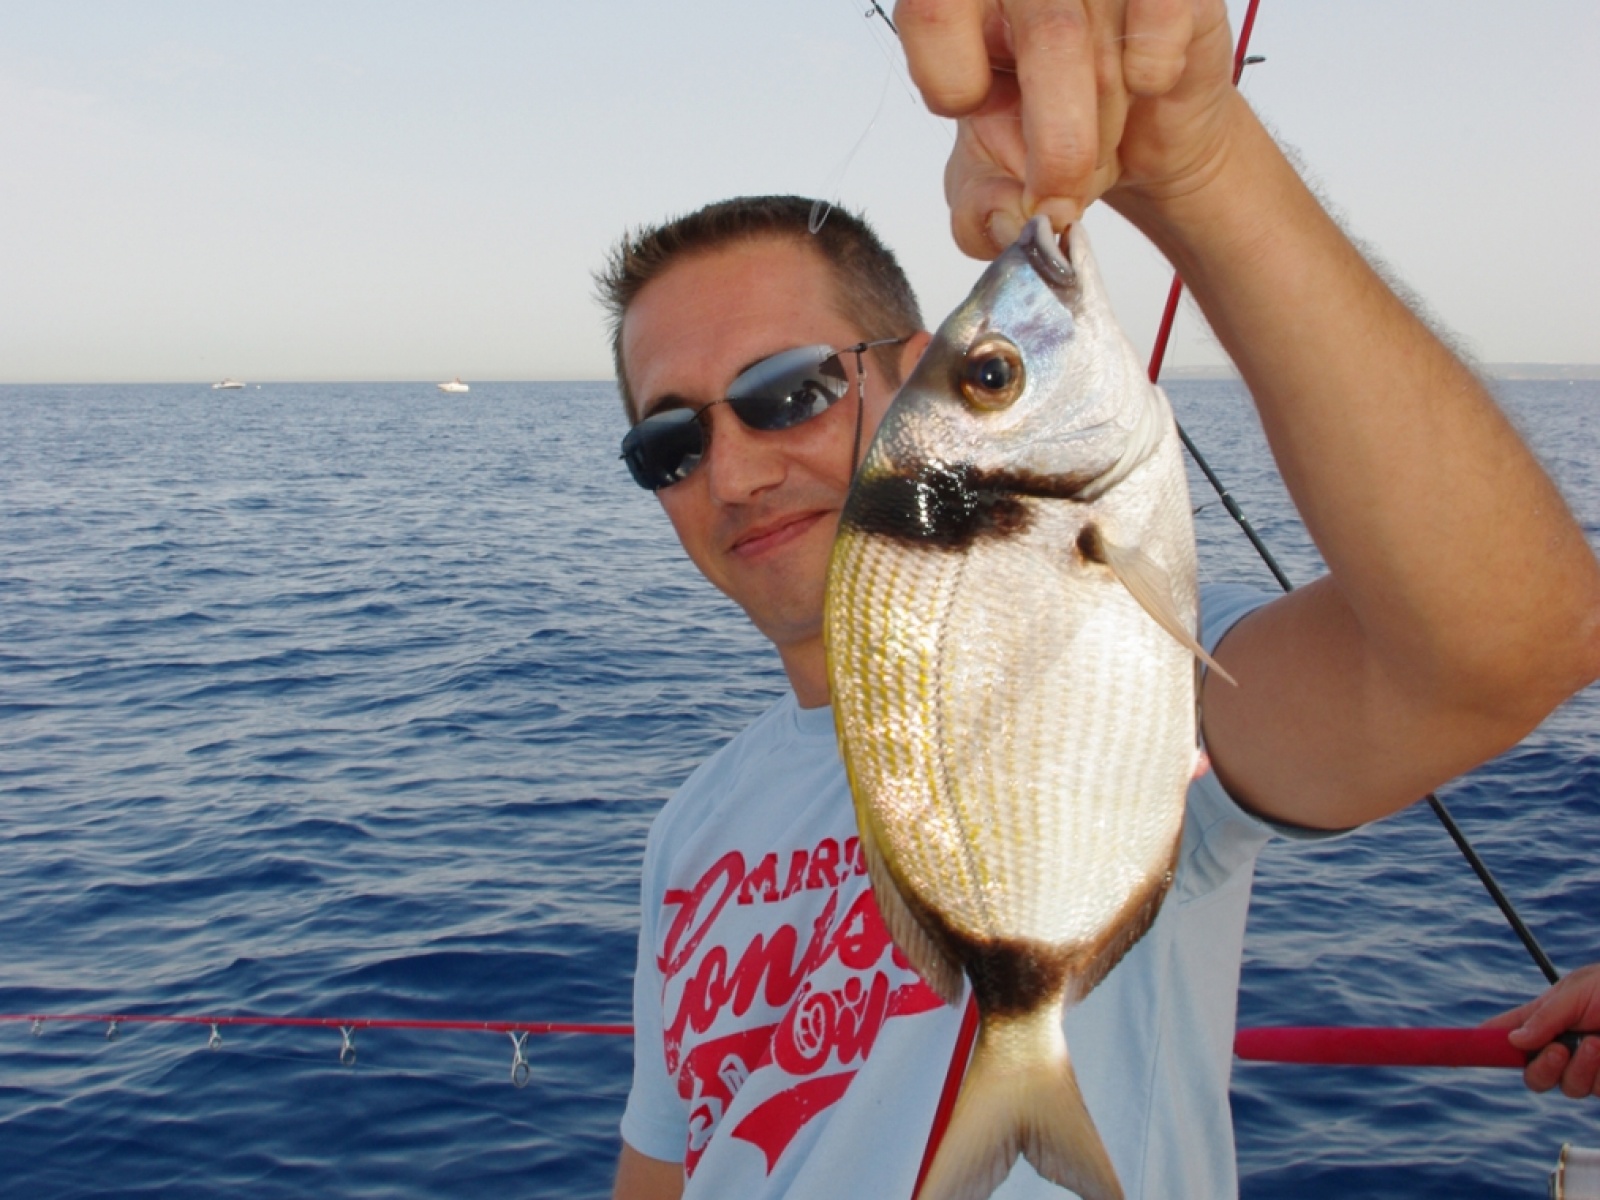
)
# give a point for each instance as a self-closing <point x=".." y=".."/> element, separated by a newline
<point x="990" y="812"/>
<point x="1010" y="615"/>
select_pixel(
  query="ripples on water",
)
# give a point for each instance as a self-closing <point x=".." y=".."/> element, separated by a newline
<point x="356" y="700"/>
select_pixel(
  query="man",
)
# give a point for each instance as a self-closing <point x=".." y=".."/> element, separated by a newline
<point x="783" y="1047"/>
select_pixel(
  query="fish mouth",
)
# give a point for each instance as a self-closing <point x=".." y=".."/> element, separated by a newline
<point x="1039" y="245"/>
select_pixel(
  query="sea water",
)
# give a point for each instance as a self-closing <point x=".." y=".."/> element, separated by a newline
<point x="356" y="700"/>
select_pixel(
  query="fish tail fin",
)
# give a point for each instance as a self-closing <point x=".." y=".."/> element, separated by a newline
<point x="1020" y="1097"/>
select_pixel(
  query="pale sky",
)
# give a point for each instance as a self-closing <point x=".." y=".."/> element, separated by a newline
<point x="407" y="190"/>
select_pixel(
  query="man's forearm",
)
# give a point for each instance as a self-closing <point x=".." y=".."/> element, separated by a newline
<point x="1469" y="588"/>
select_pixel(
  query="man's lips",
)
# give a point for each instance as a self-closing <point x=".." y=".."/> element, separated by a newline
<point x="772" y="534"/>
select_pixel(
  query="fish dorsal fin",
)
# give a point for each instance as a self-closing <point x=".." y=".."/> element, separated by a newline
<point x="929" y="957"/>
<point x="1148" y="583"/>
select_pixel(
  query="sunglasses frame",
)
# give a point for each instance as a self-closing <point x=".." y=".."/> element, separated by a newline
<point x="681" y="420"/>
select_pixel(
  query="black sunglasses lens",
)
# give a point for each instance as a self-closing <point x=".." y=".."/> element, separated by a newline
<point x="664" y="447"/>
<point x="789" y="388"/>
<point x="777" y="393"/>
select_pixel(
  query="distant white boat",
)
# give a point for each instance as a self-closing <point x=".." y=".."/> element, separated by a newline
<point x="455" y="385"/>
<point x="226" y="385"/>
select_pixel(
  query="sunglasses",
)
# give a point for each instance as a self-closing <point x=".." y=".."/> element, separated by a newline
<point x="779" y="392"/>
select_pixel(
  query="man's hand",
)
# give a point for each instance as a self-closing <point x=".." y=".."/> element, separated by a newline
<point x="1060" y="101"/>
<point x="1572" y="1004"/>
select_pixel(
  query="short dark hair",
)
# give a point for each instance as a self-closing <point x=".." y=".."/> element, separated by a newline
<point x="873" y="292"/>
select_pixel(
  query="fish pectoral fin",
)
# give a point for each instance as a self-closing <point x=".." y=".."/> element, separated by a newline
<point x="929" y="958"/>
<point x="1148" y="583"/>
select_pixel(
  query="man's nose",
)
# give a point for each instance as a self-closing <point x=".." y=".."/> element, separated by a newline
<point x="741" y="462"/>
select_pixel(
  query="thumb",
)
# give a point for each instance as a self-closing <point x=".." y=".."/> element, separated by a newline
<point x="1511" y="1018"/>
<point x="986" y="212"/>
<point x="1541" y="1020"/>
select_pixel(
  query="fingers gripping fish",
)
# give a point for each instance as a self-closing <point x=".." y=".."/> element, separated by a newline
<point x="1018" y="731"/>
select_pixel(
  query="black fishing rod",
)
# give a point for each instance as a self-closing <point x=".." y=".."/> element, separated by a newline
<point x="1518" y="926"/>
<point x="1502" y="901"/>
<point x="968" y="1032"/>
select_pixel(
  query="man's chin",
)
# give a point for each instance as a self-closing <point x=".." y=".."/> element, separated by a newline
<point x="785" y="619"/>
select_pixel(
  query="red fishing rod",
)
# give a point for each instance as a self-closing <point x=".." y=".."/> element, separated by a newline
<point x="967" y="1035"/>
<point x="969" y="1022"/>
<point x="1307" y="1044"/>
<point x="1348" y="1046"/>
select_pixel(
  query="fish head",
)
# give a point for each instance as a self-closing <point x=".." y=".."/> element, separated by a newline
<point x="1030" y="380"/>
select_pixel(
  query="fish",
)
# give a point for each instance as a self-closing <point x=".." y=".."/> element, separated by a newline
<point x="1009" y="623"/>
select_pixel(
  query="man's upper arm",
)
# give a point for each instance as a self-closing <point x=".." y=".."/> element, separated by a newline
<point x="640" y="1177"/>
<point x="1320" y="735"/>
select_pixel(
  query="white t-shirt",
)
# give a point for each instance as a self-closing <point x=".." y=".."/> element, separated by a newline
<point x="784" y="1047"/>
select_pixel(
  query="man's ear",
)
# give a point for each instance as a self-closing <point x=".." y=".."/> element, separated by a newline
<point x="911" y="352"/>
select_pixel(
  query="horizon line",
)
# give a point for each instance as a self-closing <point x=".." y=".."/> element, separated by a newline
<point x="1533" y="369"/>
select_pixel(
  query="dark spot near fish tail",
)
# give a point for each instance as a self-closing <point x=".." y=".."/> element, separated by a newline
<point x="1012" y="977"/>
<point x="947" y="506"/>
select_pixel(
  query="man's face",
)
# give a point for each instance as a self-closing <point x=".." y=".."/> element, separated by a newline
<point x="759" y="514"/>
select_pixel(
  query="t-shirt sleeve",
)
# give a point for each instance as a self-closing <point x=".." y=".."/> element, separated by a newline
<point x="655" y="1121"/>
<point x="1219" y="833"/>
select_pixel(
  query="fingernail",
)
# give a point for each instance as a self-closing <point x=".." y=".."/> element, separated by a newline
<point x="1062" y="213"/>
<point x="1004" y="228"/>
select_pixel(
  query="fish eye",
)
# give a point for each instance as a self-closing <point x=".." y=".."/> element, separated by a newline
<point x="992" y="376"/>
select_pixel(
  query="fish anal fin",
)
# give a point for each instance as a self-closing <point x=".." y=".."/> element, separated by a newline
<point x="1020" y="1097"/>
<point x="928" y="955"/>
<point x="1148" y="583"/>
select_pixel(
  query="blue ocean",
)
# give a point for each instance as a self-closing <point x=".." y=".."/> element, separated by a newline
<point x="356" y="700"/>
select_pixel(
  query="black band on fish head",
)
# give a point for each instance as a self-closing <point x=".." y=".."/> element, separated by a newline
<point x="949" y="506"/>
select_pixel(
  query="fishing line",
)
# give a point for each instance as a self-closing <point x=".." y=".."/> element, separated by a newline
<point x="893" y="69"/>
<point x="830" y="189"/>
<point x="877" y="10"/>
<point x="353" y="1023"/>
<point x="895" y="62"/>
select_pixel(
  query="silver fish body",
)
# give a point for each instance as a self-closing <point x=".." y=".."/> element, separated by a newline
<point x="1008" y="603"/>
